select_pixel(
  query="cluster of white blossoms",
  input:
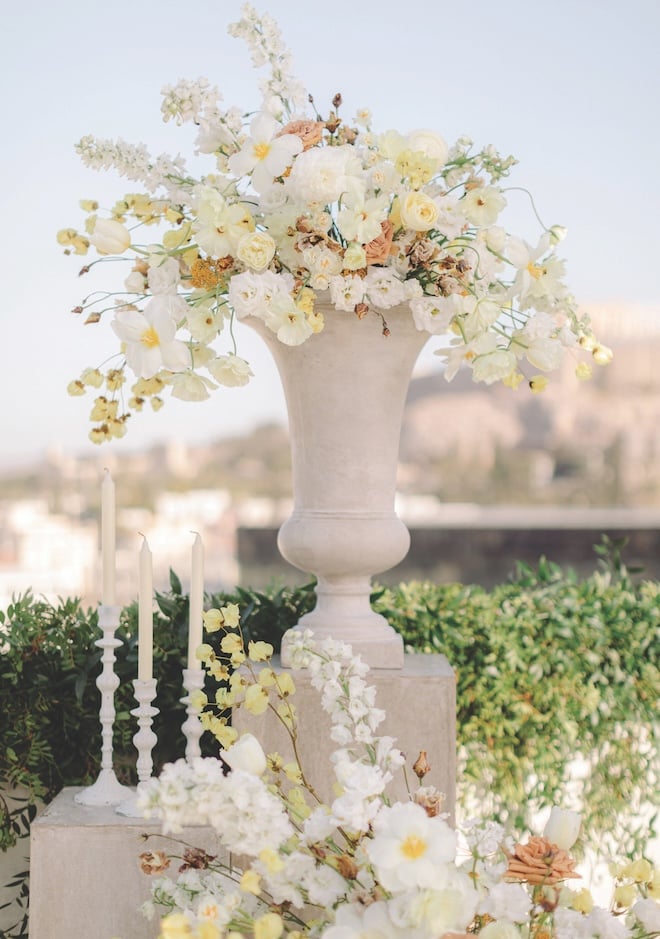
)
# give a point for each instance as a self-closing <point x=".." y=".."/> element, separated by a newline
<point x="298" y="217"/>
<point x="361" y="865"/>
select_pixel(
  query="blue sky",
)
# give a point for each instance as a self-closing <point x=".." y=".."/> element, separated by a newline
<point x="571" y="88"/>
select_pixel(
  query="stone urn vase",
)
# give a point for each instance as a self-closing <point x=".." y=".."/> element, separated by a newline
<point x="345" y="390"/>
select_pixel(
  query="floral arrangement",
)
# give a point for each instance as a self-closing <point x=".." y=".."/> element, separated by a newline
<point x="300" y="215"/>
<point x="361" y="866"/>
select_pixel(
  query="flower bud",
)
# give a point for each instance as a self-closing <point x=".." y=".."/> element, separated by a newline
<point x="421" y="766"/>
<point x="562" y="828"/>
<point x="246" y="754"/>
<point x="110" y="236"/>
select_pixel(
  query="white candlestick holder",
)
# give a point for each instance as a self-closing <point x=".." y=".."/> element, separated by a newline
<point x="145" y="740"/>
<point x="107" y="790"/>
<point x="193" y="680"/>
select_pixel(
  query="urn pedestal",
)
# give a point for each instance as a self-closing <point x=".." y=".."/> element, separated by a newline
<point x="345" y="390"/>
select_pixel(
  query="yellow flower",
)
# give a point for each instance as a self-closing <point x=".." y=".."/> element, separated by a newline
<point x="232" y="615"/>
<point x="251" y="882"/>
<point x="641" y="871"/>
<point x="69" y="238"/>
<point x="198" y="700"/>
<point x="175" y="926"/>
<point x="256" y="699"/>
<point x="156" y="404"/>
<point x="226" y="736"/>
<point x="177" y="237"/>
<point x="513" y="379"/>
<point x="224" y="698"/>
<point x="305" y="300"/>
<point x="583" y="371"/>
<point x="266" y="677"/>
<point x="114" y="379"/>
<point x="582" y="901"/>
<point x="259" y="651"/>
<point x="213" y="620"/>
<point x="538" y="383"/>
<point x="285" y="684"/>
<point x="625" y="894"/>
<point x="287" y="714"/>
<point x="602" y="355"/>
<point x="271" y="859"/>
<point x="293" y="773"/>
<point x="75" y="387"/>
<point x="88" y="205"/>
<point x="208" y="930"/>
<point x="268" y="926"/>
<point x="204" y="652"/>
<point x="316" y="323"/>
<point x="231" y="643"/>
<point x="219" y="670"/>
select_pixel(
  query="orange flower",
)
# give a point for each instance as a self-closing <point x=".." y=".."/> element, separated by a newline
<point x="540" y="862"/>
<point x="154" y="862"/>
<point x="378" y="250"/>
<point x="309" y="132"/>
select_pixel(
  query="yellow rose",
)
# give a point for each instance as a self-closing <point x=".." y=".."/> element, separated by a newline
<point x="418" y="211"/>
<point x="256" y="250"/>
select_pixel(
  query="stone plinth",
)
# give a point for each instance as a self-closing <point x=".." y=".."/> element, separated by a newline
<point x="85" y="875"/>
<point x="419" y="701"/>
<point x="85" y="878"/>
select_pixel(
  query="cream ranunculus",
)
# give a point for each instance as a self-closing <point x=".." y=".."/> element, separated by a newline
<point x="110" y="236"/>
<point x="430" y="144"/>
<point x="256" y="250"/>
<point x="246" y="754"/>
<point x="418" y="211"/>
<point x="563" y="828"/>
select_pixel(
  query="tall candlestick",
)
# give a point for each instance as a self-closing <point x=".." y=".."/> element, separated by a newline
<point x="108" y="539"/>
<point x="145" y="615"/>
<point x="196" y="607"/>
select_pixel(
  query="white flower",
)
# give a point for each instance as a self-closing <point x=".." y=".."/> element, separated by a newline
<point x="409" y="848"/>
<point x="383" y="288"/>
<point x="322" y="264"/>
<point x="203" y="321"/>
<point x="433" y="314"/>
<point x="219" y="225"/>
<point x="246" y="754"/>
<point x="355" y="921"/>
<point x="501" y="929"/>
<point x="190" y="387"/>
<point x="250" y="293"/>
<point x="325" y="174"/>
<point x="110" y="236"/>
<point x="418" y="211"/>
<point x="230" y="370"/>
<point x="163" y="276"/>
<point x="482" y="205"/>
<point x="264" y="155"/>
<point x="346" y="292"/>
<point x="449" y="906"/>
<point x="361" y="220"/>
<point x="506" y="901"/>
<point x="430" y="144"/>
<point x="149" y="336"/>
<point x="287" y="320"/>
<point x="647" y="912"/>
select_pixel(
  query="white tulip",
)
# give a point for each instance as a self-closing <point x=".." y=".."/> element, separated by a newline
<point x="110" y="236"/>
<point x="563" y="828"/>
<point x="246" y="754"/>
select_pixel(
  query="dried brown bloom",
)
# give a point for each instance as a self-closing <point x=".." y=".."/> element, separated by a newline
<point x="333" y="122"/>
<point x="540" y="862"/>
<point x="347" y="867"/>
<point x="422" y="252"/>
<point x="430" y="799"/>
<point x="378" y="250"/>
<point x="154" y="862"/>
<point x="361" y="310"/>
<point x="421" y="766"/>
<point x="309" y="132"/>
<point x="336" y="101"/>
<point x="195" y="859"/>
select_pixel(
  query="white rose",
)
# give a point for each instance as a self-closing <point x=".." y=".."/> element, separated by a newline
<point x="324" y="175"/>
<point x="430" y="144"/>
<point x="110" y="236"/>
<point x="562" y="828"/>
<point x="247" y="755"/>
<point x="418" y="211"/>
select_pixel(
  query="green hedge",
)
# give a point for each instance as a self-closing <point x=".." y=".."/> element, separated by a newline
<point x="548" y="668"/>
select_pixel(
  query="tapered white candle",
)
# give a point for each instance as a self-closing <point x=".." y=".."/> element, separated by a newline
<point x="145" y="614"/>
<point x="108" y="540"/>
<point x="196" y="607"/>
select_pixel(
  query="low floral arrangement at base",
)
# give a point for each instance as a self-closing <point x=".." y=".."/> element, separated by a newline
<point x="363" y="866"/>
<point x="295" y="207"/>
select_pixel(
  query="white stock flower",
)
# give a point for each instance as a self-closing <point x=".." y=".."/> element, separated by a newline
<point x="647" y="912"/>
<point x="149" y="336"/>
<point x="355" y="921"/>
<point x="346" y="292"/>
<point x="506" y="901"/>
<point x="250" y="293"/>
<point x="501" y="929"/>
<point x="433" y="314"/>
<point x="409" y="849"/>
<point x="264" y="155"/>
